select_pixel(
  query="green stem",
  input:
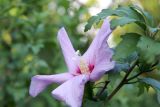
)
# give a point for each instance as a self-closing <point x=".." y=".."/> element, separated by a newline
<point x="88" y="92"/>
<point x="122" y="82"/>
<point x="132" y="82"/>
<point x="135" y="76"/>
<point x="102" y="89"/>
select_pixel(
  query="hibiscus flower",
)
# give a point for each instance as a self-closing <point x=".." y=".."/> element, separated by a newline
<point x="91" y="66"/>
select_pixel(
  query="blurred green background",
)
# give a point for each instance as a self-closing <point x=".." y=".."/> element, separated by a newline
<point x="28" y="46"/>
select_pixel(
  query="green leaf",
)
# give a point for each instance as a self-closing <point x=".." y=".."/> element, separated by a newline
<point x="149" y="49"/>
<point x="143" y="66"/>
<point x="141" y="89"/>
<point x="18" y="93"/>
<point x="120" y="67"/>
<point x="158" y="95"/>
<point x="36" y="48"/>
<point x="127" y="46"/>
<point x="158" y="66"/>
<point x="149" y="19"/>
<point x="91" y="21"/>
<point x="127" y="15"/>
<point x="124" y="64"/>
<point x="152" y="82"/>
<point x="95" y="19"/>
<point x="130" y="15"/>
<point x="121" y="21"/>
<point x="146" y="16"/>
<point x="42" y="63"/>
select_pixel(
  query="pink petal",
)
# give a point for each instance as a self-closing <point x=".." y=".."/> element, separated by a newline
<point x="103" y="63"/>
<point x="100" y="38"/>
<point x="71" y="92"/>
<point x="40" y="82"/>
<point x="68" y="50"/>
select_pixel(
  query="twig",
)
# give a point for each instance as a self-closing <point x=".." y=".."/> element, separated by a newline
<point x="122" y="82"/>
<point x="133" y="82"/>
<point x="103" y="89"/>
<point x="135" y="76"/>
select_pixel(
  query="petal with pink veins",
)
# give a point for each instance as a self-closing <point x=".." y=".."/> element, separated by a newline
<point x="68" y="50"/>
<point x="71" y="92"/>
<point x="100" y="38"/>
<point x="40" y="82"/>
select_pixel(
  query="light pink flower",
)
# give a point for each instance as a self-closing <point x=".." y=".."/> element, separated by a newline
<point x="95" y="62"/>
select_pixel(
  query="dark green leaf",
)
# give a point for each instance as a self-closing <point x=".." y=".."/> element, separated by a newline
<point x="36" y="48"/>
<point x="152" y="82"/>
<point x="124" y="64"/>
<point x="149" y="49"/>
<point x="148" y="19"/>
<point x="141" y="89"/>
<point x="127" y="15"/>
<point x="95" y="19"/>
<point x="91" y="21"/>
<point x="121" y="21"/>
<point x="127" y="46"/>
<point x="158" y="95"/>
<point x="120" y="67"/>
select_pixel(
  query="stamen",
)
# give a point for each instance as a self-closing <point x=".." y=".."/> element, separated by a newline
<point x="83" y="66"/>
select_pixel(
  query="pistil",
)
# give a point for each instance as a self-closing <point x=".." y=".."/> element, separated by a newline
<point x="83" y="66"/>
